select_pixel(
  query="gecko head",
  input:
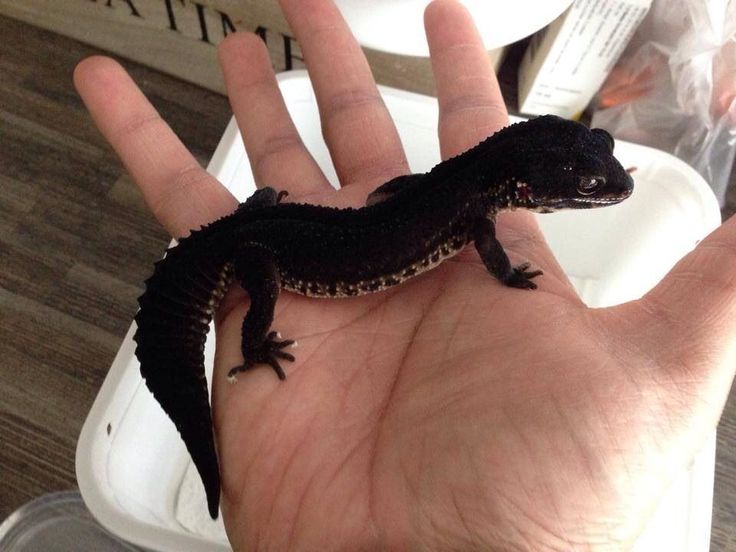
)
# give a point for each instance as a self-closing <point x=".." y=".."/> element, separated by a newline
<point x="563" y="164"/>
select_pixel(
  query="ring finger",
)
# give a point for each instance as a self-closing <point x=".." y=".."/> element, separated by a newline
<point x="276" y="153"/>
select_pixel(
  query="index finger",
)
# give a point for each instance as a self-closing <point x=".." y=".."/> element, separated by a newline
<point x="179" y="192"/>
<point x="363" y="141"/>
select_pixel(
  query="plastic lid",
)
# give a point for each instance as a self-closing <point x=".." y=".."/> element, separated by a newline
<point x="398" y="25"/>
<point x="57" y="522"/>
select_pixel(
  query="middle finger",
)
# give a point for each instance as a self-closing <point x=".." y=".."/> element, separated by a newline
<point x="356" y="125"/>
<point x="471" y="108"/>
<point x="276" y="152"/>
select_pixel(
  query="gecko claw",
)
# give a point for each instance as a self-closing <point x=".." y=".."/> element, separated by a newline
<point x="521" y="276"/>
<point x="268" y="353"/>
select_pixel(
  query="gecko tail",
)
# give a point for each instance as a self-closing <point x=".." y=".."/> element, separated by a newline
<point x="176" y="309"/>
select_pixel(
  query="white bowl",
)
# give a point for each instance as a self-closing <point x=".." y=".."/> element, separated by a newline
<point x="397" y="26"/>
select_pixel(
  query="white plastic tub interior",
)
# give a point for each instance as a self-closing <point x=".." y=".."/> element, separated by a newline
<point x="132" y="467"/>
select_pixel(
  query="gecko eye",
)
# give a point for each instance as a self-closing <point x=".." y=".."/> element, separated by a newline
<point x="587" y="185"/>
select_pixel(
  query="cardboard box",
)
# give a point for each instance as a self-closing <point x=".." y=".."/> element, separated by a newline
<point x="179" y="37"/>
<point x="567" y="62"/>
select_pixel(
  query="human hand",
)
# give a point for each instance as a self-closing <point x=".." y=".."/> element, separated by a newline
<point x="450" y="412"/>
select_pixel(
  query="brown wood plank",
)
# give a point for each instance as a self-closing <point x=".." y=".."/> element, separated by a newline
<point x="76" y="243"/>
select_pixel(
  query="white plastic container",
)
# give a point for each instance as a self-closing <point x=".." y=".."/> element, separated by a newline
<point x="132" y="467"/>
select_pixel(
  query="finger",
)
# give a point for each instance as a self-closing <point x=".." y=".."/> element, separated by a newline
<point x="277" y="154"/>
<point x="176" y="188"/>
<point x="470" y="102"/>
<point x="472" y="108"/>
<point x="356" y="125"/>
<point x="688" y="321"/>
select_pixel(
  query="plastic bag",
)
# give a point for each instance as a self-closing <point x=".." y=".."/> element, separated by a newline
<point x="674" y="88"/>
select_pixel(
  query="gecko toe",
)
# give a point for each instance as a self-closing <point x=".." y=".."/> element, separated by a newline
<point x="277" y="368"/>
<point x="235" y="370"/>
<point x="269" y="352"/>
<point x="285" y="356"/>
<point x="521" y="277"/>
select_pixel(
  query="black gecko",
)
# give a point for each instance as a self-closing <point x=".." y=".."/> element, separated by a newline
<point x="409" y="226"/>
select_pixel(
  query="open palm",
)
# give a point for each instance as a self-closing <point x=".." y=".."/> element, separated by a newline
<point x="450" y="412"/>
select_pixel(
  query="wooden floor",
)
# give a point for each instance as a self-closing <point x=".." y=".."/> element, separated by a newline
<point x="76" y="243"/>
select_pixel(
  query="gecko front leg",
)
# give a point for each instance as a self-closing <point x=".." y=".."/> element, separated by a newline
<point x="496" y="260"/>
<point x="257" y="271"/>
<point x="263" y="197"/>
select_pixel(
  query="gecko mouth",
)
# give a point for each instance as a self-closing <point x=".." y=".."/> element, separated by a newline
<point x="576" y="203"/>
<point x="598" y="200"/>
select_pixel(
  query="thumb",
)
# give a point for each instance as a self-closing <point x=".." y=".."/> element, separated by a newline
<point x="687" y="323"/>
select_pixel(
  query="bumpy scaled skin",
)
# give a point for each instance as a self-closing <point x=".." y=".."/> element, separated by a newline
<point x="408" y="226"/>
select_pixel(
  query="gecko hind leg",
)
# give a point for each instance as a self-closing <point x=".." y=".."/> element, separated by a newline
<point x="256" y="270"/>
<point x="393" y="187"/>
